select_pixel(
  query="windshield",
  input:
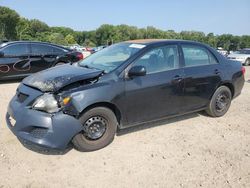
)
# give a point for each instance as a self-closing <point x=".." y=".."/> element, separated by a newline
<point x="243" y="52"/>
<point x="111" y="57"/>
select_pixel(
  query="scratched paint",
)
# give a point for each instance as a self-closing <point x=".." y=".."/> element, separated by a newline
<point x="18" y="66"/>
<point x="4" y="68"/>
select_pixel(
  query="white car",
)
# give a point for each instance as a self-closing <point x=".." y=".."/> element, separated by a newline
<point x="242" y="55"/>
<point x="81" y="49"/>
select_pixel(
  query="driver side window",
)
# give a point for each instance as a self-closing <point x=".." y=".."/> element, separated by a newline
<point x="160" y="59"/>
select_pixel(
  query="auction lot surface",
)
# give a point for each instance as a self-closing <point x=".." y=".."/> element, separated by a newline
<point x="189" y="151"/>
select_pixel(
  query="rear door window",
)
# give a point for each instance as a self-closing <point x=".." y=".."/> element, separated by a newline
<point x="16" y="50"/>
<point x="41" y="49"/>
<point x="197" y="56"/>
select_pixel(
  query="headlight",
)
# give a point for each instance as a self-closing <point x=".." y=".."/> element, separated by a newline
<point x="47" y="103"/>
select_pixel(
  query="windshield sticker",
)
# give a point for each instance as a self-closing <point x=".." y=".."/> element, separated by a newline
<point x="140" y="46"/>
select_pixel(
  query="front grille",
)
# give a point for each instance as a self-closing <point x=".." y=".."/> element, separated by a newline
<point x="21" y="97"/>
<point x="38" y="132"/>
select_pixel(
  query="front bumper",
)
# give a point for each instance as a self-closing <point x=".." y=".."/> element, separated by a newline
<point x="53" y="131"/>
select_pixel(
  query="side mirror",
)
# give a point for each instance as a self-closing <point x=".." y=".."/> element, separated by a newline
<point x="137" y="71"/>
<point x="1" y="54"/>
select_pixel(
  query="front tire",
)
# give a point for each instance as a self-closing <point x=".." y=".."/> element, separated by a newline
<point x="99" y="129"/>
<point x="220" y="102"/>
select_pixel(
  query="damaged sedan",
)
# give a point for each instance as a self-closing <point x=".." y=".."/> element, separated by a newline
<point x="123" y="85"/>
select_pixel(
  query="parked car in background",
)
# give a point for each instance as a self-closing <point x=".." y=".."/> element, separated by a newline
<point x="242" y="56"/>
<point x="22" y="58"/>
<point x="222" y="51"/>
<point x="84" y="50"/>
<point x="123" y="85"/>
<point x="98" y="48"/>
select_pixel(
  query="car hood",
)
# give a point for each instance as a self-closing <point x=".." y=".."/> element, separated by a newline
<point x="54" y="79"/>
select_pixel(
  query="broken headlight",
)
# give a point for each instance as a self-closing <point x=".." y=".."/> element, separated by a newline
<point x="47" y="103"/>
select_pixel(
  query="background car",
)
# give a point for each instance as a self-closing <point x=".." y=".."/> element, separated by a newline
<point x="242" y="55"/>
<point x="22" y="58"/>
<point x="222" y="51"/>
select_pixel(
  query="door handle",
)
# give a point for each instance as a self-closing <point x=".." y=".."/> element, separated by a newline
<point x="216" y="71"/>
<point x="177" y="78"/>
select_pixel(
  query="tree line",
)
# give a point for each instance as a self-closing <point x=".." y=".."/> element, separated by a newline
<point x="15" y="27"/>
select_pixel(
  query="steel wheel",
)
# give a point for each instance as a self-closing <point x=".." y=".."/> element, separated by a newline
<point x="99" y="128"/>
<point x="95" y="127"/>
<point x="222" y="102"/>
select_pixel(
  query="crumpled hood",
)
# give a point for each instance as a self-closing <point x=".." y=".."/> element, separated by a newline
<point x="53" y="79"/>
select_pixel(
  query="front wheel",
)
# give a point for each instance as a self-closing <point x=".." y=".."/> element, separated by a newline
<point x="220" y="102"/>
<point x="99" y="128"/>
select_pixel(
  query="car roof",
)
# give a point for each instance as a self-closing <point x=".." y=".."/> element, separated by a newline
<point x="155" y="41"/>
<point x="37" y="42"/>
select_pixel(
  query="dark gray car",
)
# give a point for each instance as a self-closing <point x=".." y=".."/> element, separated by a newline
<point x="120" y="86"/>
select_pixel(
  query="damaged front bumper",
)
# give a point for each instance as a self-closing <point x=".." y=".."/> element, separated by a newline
<point x="53" y="131"/>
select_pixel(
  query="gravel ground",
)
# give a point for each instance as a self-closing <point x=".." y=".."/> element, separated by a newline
<point x="189" y="151"/>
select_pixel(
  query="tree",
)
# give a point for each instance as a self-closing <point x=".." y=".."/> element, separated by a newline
<point x="23" y="29"/>
<point x="13" y="27"/>
<point x="8" y="22"/>
<point x="105" y="34"/>
<point x="36" y="26"/>
<point x="70" y="39"/>
<point x="57" y="38"/>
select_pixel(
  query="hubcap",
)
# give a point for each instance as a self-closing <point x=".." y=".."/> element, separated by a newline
<point x="222" y="102"/>
<point x="95" y="127"/>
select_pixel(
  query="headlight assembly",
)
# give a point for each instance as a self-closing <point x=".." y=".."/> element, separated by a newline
<point x="47" y="103"/>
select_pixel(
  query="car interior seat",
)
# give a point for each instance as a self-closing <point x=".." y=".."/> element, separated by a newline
<point x="153" y="63"/>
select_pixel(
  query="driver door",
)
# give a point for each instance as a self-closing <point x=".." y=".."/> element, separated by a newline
<point x="159" y="92"/>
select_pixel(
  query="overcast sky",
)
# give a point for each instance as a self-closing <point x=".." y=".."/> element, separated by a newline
<point x="218" y="16"/>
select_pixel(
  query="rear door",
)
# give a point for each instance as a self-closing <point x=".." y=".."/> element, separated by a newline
<point x="15" y="62"/>
<point x="42" y="56"/>
<point x="159" y="92"/>
<point x="202" y="76"/>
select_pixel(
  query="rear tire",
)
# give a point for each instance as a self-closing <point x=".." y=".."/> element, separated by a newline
<point x="100" y="125"/>
<point x="220" y="102"/>
<point x="247" y="63"/>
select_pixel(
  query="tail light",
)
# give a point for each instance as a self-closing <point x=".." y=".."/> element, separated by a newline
<point x="79" y="56"/>
<point x="243" y="69"/>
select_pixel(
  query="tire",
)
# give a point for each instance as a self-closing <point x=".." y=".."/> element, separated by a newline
<point x="247" y="62"/>
<point x="220" y="102"/>
<point x="59" y="63"/>
<point x="87" y="140"/>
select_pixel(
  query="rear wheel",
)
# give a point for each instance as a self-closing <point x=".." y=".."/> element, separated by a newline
<point x="247" y="62"/>
<point x="99" y="128"/>
<point x="220" y="102"/>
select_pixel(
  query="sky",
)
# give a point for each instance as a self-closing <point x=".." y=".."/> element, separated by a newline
<point x="217" y="16"/>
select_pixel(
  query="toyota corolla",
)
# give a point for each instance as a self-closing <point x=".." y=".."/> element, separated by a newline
<point x="124" y="85"/>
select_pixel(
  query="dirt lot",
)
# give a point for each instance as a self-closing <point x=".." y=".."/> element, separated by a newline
<point x="189" y="151"/>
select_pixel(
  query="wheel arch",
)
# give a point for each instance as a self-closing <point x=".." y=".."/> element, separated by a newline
<point x="108" y="105"/>
<point x="230" y="86"/>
